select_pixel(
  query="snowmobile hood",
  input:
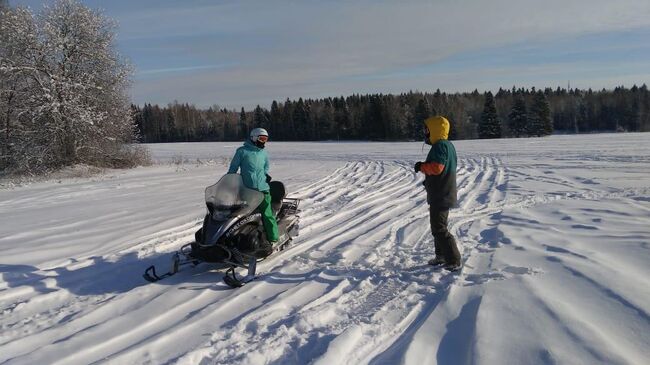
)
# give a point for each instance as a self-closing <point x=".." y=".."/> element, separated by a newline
<point x="438" y="127"/>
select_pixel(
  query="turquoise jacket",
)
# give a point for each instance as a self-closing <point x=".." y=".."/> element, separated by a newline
<point x="254" y="164"/>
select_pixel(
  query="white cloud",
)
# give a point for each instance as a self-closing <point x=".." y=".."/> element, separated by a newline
<point x="180" y="69"/>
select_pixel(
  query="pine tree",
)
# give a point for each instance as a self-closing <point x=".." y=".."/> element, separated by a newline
<point x="490" y="125"/>
<point x="540" y="123"/>
<point x="311" y="129"/>
<point x="300" y="120"/>
<point x="243" y="124"/>
<point x="259" y="118"/>
<point x="324" y="119"/>
<point x="413" y="127"/>
<point x="342" y="119"/>
<point x="287" y="119"/>
<point x="420" y="114"/>
<point x="518" y="118"/>
<point x="275" y="120"/>
<point x="422" y="111"/>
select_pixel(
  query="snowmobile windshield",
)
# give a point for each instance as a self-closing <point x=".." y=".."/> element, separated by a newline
<point x="230" y="194"/>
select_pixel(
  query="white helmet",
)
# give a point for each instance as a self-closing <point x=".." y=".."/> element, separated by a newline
<point x="256" y="133"/>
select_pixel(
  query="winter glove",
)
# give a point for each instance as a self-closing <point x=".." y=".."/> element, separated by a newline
<point x="268" y="178"/>
<point x="417" y="166"/>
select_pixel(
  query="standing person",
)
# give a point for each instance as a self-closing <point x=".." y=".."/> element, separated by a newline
<point x="253" y="161"/>
<point x="440" y="183"/>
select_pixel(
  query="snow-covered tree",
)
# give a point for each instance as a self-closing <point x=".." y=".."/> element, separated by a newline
<point x="259" y="118"/>
<point x="518" y="118"/>
<point x="74" y="103"/>
<point x="490" y="125"/>
<point x="342" y="118"/>
<point x="422" y="112"/>
<point x="18" y="57"/>
<point x="540" y="123"/>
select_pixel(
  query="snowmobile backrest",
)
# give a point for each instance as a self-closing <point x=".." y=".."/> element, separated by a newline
<point x="277" y="191"/>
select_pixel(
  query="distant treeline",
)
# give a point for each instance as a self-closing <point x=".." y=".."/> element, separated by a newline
<point x="515" y="112"/>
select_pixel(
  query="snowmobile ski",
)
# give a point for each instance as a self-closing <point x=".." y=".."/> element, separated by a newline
<point x="230" y="278"/>
<point x="151" y="276"/>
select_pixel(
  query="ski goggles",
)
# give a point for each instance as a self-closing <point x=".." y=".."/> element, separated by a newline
<point x="263" y="139"/>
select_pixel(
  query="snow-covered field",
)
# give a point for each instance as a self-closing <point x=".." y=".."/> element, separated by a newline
<point x="554" y="234"/>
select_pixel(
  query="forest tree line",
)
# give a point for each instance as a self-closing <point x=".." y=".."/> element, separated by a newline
<point x="516" y="112"/>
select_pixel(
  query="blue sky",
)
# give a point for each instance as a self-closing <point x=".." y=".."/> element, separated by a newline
<point x="244" y="53"/>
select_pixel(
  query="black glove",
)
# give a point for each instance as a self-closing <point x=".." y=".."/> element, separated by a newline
<point x="417" y="166"/>
<point x="268" y="178"/>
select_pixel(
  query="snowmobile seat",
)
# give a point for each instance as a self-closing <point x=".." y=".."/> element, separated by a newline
<point x="277" y="195"/>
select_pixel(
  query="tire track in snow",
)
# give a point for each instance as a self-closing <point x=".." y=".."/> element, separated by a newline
<point x="64" y="289"/>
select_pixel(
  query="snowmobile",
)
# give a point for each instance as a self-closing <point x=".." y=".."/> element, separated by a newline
<point x="232" y="233"/>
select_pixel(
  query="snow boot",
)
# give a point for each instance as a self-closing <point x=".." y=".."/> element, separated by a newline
<point x="437" y="261"/>
<point x="452" y="267"/>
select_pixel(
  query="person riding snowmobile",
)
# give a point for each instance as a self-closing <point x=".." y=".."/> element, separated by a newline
<point x="253" y="161"/>
<point x="440" y="183"/>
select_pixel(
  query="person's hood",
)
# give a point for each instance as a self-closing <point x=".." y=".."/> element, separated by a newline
<point x="438" y="127"/>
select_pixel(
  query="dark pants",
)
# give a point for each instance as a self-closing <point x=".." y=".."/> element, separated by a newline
<point x="444" y="242"/>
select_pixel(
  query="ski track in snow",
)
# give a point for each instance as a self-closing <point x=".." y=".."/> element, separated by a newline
<point x="354" y="288"/>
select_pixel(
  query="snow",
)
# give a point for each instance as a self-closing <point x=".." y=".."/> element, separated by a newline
<point x="553" y="232"/>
